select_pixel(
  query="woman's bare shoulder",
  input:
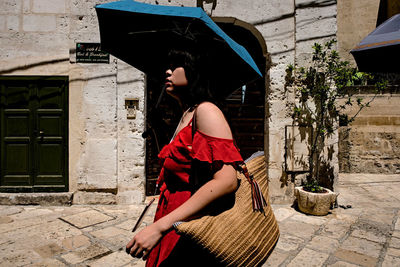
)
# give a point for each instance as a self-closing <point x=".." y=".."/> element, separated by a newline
<point x="211" y="121"/>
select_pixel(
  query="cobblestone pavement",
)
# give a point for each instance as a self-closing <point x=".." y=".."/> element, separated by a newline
<point x="367" y="234"/>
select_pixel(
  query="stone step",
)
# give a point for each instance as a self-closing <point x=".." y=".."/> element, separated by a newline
<point x="44" y="199"/>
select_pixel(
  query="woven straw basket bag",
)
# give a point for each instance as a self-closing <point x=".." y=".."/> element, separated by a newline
<point x="238" y="236"/>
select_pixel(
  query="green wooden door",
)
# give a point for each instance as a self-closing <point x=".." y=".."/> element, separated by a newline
<point x="34" y="125"/>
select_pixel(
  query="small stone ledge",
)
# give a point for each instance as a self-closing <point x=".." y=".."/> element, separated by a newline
<point x="94" y="198"/>
<point x="44" y="199"/>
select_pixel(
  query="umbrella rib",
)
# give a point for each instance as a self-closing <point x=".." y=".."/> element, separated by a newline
<point x="187" y="30"/>
<point x="182" y="31"/>
<point x="150" y="31"/>
<point x="177" y="30"/>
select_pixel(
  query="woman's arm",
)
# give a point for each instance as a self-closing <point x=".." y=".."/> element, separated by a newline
<point x="210" y="121"/>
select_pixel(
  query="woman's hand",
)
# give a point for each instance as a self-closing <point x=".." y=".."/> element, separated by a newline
<point x="142" y="243"/>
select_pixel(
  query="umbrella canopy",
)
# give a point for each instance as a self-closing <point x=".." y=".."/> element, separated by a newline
<point x="142" y="35"/>
<point x="380" y="50"/>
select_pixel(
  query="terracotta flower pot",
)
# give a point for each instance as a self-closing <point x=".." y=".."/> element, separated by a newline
<point x="314" y="203"/>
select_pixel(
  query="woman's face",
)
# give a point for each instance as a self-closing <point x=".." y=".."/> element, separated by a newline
<point x="175" y="78"/>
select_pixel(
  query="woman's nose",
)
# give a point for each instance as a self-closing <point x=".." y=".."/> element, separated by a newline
<point x="168" y="72"/>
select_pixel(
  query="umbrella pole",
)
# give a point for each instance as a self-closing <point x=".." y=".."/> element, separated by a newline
<point x="160" y="97"/>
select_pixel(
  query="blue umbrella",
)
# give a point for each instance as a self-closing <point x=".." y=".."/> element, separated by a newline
<point x="143" y="34"/>
<point x="380" y="50"/>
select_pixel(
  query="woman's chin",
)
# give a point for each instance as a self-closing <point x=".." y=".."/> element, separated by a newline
<point x="170" y="90"/>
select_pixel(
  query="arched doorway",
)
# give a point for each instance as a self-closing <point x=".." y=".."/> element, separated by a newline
<point x="246" y="113"/>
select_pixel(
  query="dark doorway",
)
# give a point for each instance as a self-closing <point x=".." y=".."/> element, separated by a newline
<point x="34" y="131"/>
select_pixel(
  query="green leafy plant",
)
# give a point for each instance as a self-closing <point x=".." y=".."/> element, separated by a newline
<point x="313" y="186"/>
<point x="324" y="90"/>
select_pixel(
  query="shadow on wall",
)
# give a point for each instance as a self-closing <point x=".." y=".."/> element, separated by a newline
<point x="33" y="65"/>
<point x="55" y="61"/>
<point x="297" y="163"/>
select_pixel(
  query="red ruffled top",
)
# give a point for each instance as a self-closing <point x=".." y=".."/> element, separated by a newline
<point x="175" y="175"/>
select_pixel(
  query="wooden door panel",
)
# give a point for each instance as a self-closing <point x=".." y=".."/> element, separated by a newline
<point x="16" y="97"/>
<point x="50" y="97"/>
<point x="33" y="134"/>
<point x="50" y="158"/>
<point x="50" y="164"/>
<point x="50" y="125"/>
<point x="50" y="140"/>
<point x="16" y="151"/>
<point x="16" y="125"/>
<point x="17" y="164"/>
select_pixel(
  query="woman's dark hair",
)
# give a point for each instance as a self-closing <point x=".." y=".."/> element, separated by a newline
<point x="199" y="87"/>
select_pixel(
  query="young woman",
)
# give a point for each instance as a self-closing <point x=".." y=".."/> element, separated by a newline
<point x="210" y="148"/>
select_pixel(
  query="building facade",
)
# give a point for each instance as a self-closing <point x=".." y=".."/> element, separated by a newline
<point x="76" y="127"/>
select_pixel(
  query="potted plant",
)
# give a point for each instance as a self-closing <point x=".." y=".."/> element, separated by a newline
<point x="324" y="90"/>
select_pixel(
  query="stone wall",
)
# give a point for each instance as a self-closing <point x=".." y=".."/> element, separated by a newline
<point x="373" y="143"/>
<point x="312" y="21"/>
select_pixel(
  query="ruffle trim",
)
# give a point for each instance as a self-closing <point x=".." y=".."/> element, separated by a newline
<point x="164" y="152"/>
<point x="211" y="149"/>
<point x="205" y="148"/>
<point x="178" y="149"/>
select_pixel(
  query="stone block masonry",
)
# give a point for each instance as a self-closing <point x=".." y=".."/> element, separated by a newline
<point x="39" y="23"/>
<point x="368" y="151"/>
<point x="12" y="23"/>
<point x="372" y="143"/>
<point x="3" y="22"/>
<point x="49" y="6"/>
<point x="10" y="6"/>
